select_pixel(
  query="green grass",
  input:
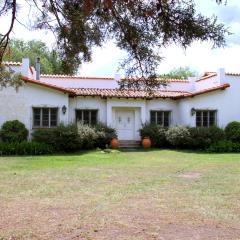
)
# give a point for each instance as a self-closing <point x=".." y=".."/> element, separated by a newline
<point x="95" y="190"/>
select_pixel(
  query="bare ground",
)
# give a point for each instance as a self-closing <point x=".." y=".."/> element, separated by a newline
<point x="138" y="218"/>
<point x="154" y="198"/>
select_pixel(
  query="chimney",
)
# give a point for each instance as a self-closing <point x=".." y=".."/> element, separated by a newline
<point x="117" y="77"/>
<point x="220" y="75"/>
<point x="38" y="67"/>
<point x="192" y="85"/>
<point x="25" y="67"/>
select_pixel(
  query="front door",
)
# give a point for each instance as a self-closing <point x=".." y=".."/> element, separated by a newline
<point x="125" y="124"/>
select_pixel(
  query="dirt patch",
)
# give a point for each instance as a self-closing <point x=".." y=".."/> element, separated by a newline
<point x="140" y="218"/>
<point x="190" y="175"/>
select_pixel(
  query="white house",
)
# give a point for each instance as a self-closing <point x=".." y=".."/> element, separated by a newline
<point x="47" y="100"/>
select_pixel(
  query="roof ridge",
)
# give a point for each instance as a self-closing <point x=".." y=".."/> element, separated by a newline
<point x="73" y="76"/>
<point x="108" y="78"/>
<point x="11" y="63"/>
<point x="59" y="88"/>
<point x="117" y="89"/>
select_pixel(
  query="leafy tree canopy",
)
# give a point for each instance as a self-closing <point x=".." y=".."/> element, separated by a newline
<point x="180" y="73"/>
<point x="50" y="61"/>
<point x="139" y="27"/>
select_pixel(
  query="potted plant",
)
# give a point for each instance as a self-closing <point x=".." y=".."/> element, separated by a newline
<point x="146" y="142"/>
<point x="114" y="143"/>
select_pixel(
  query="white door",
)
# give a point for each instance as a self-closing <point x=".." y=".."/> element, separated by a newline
<point x="125" y="124"/>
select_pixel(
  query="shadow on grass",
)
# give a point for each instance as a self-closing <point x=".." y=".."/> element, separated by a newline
<point x="120" y="150"/>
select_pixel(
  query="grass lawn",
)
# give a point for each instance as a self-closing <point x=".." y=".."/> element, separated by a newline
<point x="159" y="194"/>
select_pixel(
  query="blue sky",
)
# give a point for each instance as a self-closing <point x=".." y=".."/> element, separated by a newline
<point x="199" y="56"/>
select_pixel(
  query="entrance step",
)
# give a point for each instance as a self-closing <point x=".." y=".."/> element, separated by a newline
<point x="129" y="144"/>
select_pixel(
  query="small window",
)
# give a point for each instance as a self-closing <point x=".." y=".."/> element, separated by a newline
<point x="161" y="118"/>
<point x="86" y="116"/>
<point x="206" y="118"/>
<point x="45" y="117"/>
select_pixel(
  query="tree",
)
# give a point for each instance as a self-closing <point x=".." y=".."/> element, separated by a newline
<point x="50" y="61"/>
<point x="138" y="26"/>
<point x="179" y="73"/>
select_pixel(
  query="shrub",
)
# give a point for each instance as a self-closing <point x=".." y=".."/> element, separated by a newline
<point x="25" y="148"/>
<point x="105" y="135"/>
<point x="178" y="136"/>
<point x="202" y="137"/>
<point x="87" y="135"/>
<point x="45" y="135"/>
<point x="67" y="138"/>
<point x="62" y="138"/>
<point x="13" y="131"/>
<point x="232" y="131"/>
<point x="156" y="133"/>
<point x="224" y="146"/>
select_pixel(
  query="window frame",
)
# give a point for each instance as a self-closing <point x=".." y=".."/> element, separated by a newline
<point x="89" y="115"/>
<point x="162" y="117"/>
<point x="208" y="111"/>
<point x="50" y="115"/>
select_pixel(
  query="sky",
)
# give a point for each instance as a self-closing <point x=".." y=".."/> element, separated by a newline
<point x="200" y="56"/>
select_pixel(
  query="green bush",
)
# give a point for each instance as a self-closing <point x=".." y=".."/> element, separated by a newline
<point x="62" y="138"/>
<point x="13" y="131"/>
<point x="74" y="137"/>
<point x="202" y="137"/>
<point x="156" y="133"/>
<point x="224" y="146"/>
<point x="25" y="148"/>
<point x="105" y="135"/>
<point x="232" y="131"/>
<point x="178" y="136"/>
<point x="67" y="138"/>
<point x="45" y="135"/>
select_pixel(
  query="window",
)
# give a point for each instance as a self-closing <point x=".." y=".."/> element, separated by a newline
<point x="45" y="117"/>
<point x="160" y="118"/>
<point x="206" y="118"/>
<point x="86" y="116"/>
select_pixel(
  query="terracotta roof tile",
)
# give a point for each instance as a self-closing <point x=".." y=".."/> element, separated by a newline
<point x="207" y="90"/>
<point x="142" y="94"/>
<point x="104" y="93"/>
<point x="12" y="63"/>
<point x="207" y="76"/>
<point x="125" y="93"/>
<point x="59" y="76"/>
<point x="66" y="77"/>
<point x="232" y="74"/>
<point x="37" y="82"/>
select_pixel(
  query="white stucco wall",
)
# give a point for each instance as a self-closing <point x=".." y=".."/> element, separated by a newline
<point x="226" y="102"/>
<point x="81" y="83"/>
<point x="18" y="105"/>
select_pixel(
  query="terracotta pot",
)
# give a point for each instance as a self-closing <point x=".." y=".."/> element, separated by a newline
<point x="146" y="142"/>
<point x="114" y="143"/>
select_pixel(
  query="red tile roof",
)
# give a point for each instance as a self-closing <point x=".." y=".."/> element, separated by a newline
<point x="37" y="82"/>
<point x="104" y="93"/>
<point x="232" y="74"/>
<point x="207" y="90"/>
<point x="207" y="75"/>
<point x="126" y="93"/>
<point x="67" y="77"/>
<point x="143" y="94"/>
<point x="10" y="63"/>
